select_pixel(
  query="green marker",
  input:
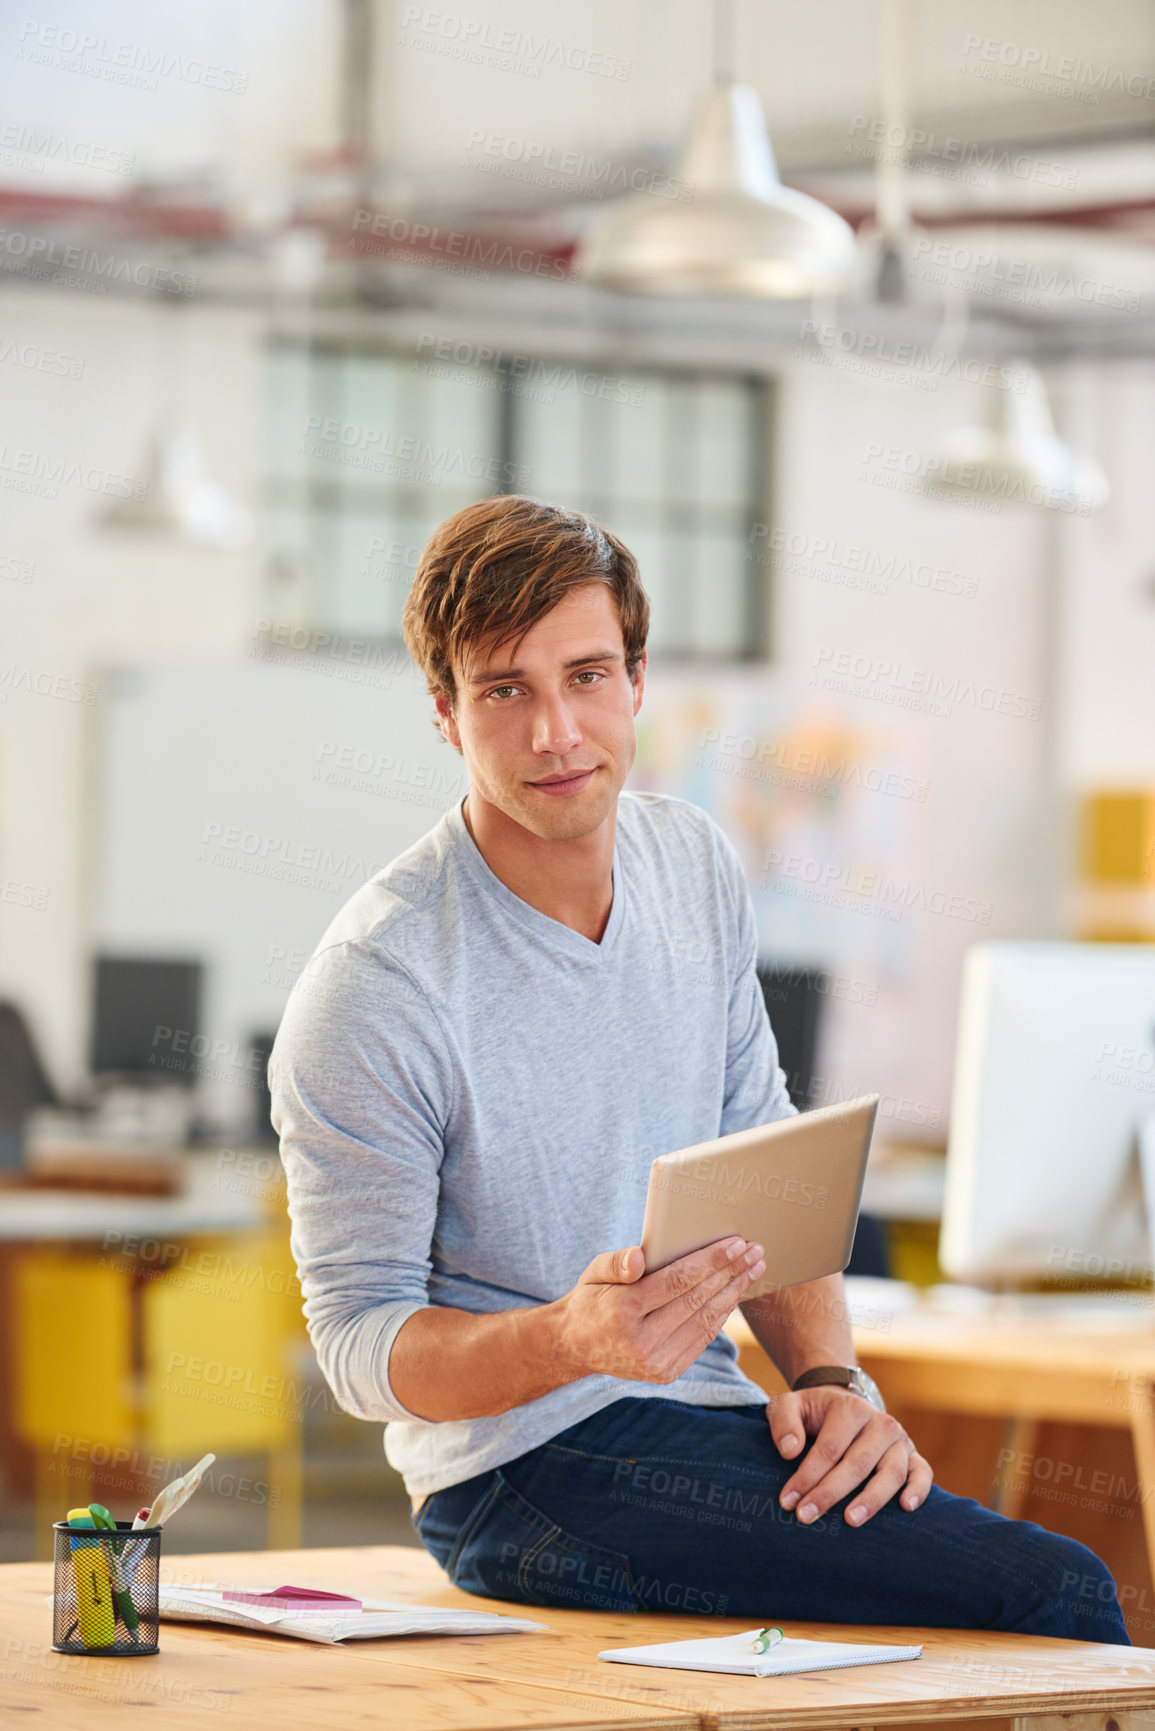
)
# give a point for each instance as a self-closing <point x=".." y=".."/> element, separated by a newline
<point x="120" y="1588"/>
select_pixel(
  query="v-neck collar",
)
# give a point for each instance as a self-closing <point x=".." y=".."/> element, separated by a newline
<point x="576" y="943"/>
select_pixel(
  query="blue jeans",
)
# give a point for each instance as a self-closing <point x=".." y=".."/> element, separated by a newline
<point x="653" y="1504"/>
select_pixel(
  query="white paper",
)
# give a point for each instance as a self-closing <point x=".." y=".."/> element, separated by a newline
<point x="734" y="1654"/>
<point x="378" y="1617"/>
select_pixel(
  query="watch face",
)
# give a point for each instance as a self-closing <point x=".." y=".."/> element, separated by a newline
<point x="867" y="1388"/>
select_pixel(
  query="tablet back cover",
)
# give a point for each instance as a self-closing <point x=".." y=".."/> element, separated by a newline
<point x="793" y="1186"/>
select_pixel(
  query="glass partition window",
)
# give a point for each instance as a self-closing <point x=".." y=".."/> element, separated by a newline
<point x="673" y="462"/>
<point x="367" y="455"/>
<point x="369" y="451"/>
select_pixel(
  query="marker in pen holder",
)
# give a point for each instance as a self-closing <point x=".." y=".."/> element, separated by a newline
<point x="105" y="1590"/>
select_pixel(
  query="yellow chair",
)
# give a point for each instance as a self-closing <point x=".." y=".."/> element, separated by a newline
<point x="219" y="1338"/>
<point x="114" y="1360"/>
<point x="72" y="1373"/>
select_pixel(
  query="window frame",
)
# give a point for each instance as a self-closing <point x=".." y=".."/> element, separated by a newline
<point x="315" y="494"/>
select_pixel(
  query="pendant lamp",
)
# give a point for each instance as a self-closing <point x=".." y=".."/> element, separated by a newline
<point x="737" y="231"/>
<point x="1018" y="458"/>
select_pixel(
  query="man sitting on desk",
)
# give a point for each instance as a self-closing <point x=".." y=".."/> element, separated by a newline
<point x="493" y="1040"/>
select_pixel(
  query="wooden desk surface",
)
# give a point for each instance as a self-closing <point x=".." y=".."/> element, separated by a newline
<point x="1023" y="1365"/>
<point x="205" y="1676"/>
<point x="996" y="1339"/>
<point x="1009" y="1339"/>
<point x="547" y="1681"/>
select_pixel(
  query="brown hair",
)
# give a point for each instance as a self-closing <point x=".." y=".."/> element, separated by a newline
<point x="497" y="567"/>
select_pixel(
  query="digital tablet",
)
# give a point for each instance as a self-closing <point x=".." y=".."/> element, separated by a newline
<point x="792" y="1186"/>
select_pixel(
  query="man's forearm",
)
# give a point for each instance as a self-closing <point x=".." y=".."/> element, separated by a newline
<point x="803" y="1326"/>
<point x="448" y="1363"/>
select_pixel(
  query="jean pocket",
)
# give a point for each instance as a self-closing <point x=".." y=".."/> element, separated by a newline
<point x="509" y="1549"/>
<point x="446" y="1516"/>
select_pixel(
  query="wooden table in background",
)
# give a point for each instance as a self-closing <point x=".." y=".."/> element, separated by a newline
<point x="550" y="1681"/>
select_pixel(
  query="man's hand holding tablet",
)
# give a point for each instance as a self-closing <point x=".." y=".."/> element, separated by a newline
<point x="620" y="1321"/>
<point x="617" y="1320"/>
<point x="796" y="1184"/>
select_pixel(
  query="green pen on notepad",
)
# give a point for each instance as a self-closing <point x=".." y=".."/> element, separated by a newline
<point x="767" y="1638"/>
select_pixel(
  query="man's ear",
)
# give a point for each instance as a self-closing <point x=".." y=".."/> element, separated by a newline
<point x="448" y="721"/>
<point x="639" y="681"/>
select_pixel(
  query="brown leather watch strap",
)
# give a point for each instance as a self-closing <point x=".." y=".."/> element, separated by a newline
<point x="840" y="1375"/>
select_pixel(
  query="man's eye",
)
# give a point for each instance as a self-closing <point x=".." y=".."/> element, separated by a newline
<point x="591" y="673"/>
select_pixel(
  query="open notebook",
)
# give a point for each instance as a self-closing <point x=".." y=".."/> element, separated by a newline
<point x="733" y="1653"/>
<point x="332" y="1623"/>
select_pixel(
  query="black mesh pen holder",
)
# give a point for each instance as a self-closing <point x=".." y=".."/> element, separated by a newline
<point x="105" y="1590"/>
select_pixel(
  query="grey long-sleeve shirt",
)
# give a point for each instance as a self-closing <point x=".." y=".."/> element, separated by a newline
<point x="469" y="1095"/>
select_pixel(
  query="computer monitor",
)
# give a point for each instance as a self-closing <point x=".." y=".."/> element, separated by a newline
<point x="794" y="997"/>
<point x="146" y="1019"/>
<point x="1054" y="1078"/>
<point x="260" y="1048"/>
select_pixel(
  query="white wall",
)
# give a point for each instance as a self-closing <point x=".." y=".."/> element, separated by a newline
<point x="980" y="824"/>
<point x="96" y="600"/>
<point x="244" y="801"/>
<point x="1108" y="577"/>
<point x="1064" y="613"/>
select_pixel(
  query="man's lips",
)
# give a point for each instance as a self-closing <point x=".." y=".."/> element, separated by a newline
<point x="569" y="776"/>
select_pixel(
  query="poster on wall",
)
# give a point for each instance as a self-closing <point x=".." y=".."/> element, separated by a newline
<point x="828" y="813"/>
<point x="826" y="810"/>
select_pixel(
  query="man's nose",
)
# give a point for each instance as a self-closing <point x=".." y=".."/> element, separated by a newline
<point x="554" y="726"/>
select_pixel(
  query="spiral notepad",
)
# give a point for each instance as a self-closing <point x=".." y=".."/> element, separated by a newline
<point x="734" y="1653"/>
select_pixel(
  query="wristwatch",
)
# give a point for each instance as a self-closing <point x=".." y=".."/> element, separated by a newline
<point x="842" y="1376"/>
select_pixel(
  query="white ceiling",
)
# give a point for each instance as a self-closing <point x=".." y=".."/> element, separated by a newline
<point x="815" y="65"/>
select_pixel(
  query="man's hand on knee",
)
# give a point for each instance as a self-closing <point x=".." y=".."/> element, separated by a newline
<point x="854" y="1445"/>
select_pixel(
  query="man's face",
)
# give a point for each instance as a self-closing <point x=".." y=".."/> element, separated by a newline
<point x="562" y="705"/>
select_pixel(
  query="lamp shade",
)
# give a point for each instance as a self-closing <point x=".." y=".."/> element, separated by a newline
<point x="735" y="229"/>
<point x="1019" y="458"/>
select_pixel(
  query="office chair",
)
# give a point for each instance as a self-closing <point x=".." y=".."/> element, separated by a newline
<point x="24" y="1083"/>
